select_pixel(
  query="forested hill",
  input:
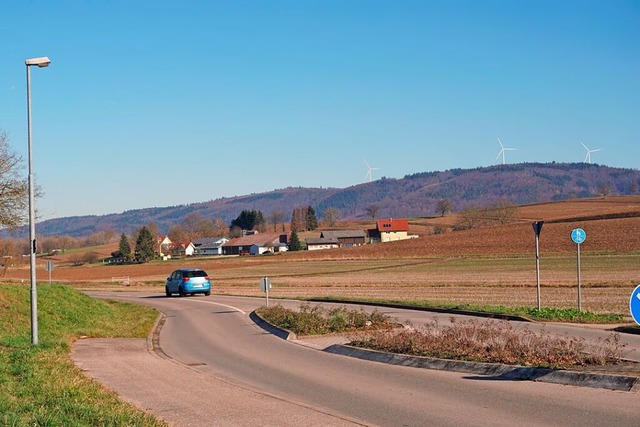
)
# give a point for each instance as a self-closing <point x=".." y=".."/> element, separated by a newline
<point x="412" y="196"/>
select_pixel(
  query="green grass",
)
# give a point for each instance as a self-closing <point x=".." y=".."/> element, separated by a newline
<point x="570" y="315"/>
<point x="39" y="385"/>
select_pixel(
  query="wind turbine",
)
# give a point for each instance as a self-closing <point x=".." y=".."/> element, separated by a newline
<point x="587" y="159"/>
<point x="502" y="150"/>
<point x="369" y="169"/>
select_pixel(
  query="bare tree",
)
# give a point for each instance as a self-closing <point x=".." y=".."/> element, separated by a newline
<point x="220" y="228"/>
<point x="14" y="189"/>
<point x="502" y="212"/>
<point x="469" y="218"/>
<point x="372" y="211"/>
<point x="604" y="190"/>
<point x="276" y="217"/>
<point x="331" y="216"/>
<point x="177" y="234"/>
<point x="195" y="226"/>
<point x="444" y="206"/>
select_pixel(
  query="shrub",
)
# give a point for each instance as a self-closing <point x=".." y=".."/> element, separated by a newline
<point x="313" y="320"/>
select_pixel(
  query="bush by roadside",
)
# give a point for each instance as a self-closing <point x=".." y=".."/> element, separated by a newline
<point x="318" y="320"/>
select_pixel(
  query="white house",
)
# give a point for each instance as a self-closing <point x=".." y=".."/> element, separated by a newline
<point x="209" y="245"/>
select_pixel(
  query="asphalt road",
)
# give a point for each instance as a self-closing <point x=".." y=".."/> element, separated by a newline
<point x="221" y="369"/>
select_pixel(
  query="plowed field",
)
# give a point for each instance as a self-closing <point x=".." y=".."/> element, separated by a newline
<point x="492" y="265"/>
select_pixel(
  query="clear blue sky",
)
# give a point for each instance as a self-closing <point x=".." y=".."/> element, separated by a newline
<point x="159" y="103"/>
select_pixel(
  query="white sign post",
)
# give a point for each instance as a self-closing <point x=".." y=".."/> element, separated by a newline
<point x="578" y="236"/>
<point x="265" y="285"/>
<point x="49" y="269"/>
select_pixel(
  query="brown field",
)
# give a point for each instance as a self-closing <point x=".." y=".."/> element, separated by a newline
<point x="492" y="265"/>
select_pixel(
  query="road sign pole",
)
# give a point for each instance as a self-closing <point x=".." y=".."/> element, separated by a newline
<point x="578" y="235"/>
<point x="579" y="299"/>
<point x="538" y="270"/>
<point x="537" y="228"/>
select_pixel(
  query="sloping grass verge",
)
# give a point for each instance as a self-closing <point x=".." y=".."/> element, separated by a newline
<point x="570" y="315"/>
<point x="39" y="385"/>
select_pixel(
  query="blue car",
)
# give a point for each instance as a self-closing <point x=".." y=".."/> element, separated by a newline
<point x="188" y="281"/>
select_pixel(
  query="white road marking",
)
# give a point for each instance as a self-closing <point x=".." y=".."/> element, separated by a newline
<point x="223" y="305"/>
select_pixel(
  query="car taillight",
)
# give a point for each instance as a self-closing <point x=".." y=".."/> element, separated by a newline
<point x="206" y="277"/>
<point x="185" y="279"/>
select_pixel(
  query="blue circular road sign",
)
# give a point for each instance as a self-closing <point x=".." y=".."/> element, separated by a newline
<point x="578" y="235"/>
<point x="634" y="304"/>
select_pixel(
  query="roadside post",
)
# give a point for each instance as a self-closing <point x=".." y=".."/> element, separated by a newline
<point x="265" y="285"/>
<point x="578" y="236"/>
<point x="634" y="304"/>
<point x="49" y="269"/>
<point x="537" y="228"/>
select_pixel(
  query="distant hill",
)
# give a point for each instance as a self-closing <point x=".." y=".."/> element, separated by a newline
<point x="414" y="195"/>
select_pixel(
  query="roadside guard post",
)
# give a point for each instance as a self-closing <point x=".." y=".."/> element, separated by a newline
<point x="265" y="285"/>
<point x="578" y="236"/>
<point x="537" y="228"/>
<point x="634" y="304"/>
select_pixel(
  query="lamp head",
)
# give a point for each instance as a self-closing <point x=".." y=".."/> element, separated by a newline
<point x="40" y="62"/>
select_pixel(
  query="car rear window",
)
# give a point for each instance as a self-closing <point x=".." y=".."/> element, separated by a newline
<point x="197" y="273"/>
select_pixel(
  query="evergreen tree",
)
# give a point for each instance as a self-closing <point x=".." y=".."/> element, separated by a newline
<point x="294" y="243"/>
<point x="145" y="250"/>
<point x="249" y="220"/>
<point x="124" y="247"/>
<point x="312" y="221"/>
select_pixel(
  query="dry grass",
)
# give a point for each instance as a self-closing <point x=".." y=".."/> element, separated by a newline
<point x="489" y="341"/>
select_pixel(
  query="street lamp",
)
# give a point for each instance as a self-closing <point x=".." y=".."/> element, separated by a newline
<point x="40" y="62"/>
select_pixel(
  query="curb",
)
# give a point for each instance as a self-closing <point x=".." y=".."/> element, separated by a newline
<point x="432" y="309"/>
<point x="489" y="371"/>
<point x="273" y="329"/>
<point x="494" y="370"/>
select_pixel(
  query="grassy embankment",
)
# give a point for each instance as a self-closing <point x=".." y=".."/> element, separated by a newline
<point x="39" y="385"/>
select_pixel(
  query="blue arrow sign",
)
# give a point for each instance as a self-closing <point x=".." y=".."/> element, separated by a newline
<point x="578" y="235"/>
<point x="634" y="304"/>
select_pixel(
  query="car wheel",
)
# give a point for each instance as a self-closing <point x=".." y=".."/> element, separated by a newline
<point x="166" y="291"/>
<point x="181" y="291"/>
<point x="207" y="293"/>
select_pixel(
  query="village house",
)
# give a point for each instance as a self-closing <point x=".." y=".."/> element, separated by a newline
<point x="163" y="243"/>
<point x="256" y="244"/>
<point x="182" y="249"/>
<point x="390" y="230"/>
<point x="209" y="245"/>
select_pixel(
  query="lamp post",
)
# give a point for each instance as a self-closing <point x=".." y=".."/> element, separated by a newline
<point x="40" y="62"/>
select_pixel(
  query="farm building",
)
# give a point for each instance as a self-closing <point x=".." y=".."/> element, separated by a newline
<point x="314" y="244"/>
<point x="345" y="238"/>
<point x="256" y="244"/>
